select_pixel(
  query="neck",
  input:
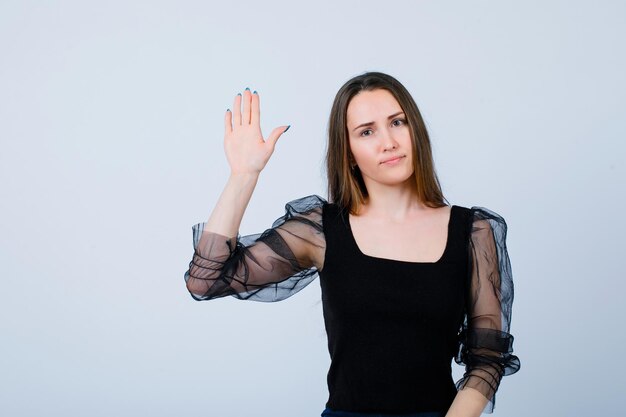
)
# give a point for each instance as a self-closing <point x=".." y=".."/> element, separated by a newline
<point x="393" y="203"/>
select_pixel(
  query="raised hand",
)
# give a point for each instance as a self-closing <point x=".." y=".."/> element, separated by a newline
<point x="246" y="150"/>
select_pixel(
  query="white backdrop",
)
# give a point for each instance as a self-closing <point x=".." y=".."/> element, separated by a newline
<point x="111" y="127"/>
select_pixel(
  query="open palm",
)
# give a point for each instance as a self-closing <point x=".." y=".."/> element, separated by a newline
<point x="246" y="150"/>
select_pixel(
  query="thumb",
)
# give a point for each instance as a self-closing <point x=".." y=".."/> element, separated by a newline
<point x="276" y="133"/>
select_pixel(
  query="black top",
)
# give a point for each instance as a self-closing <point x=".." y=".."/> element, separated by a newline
<point x="393" y="326"/>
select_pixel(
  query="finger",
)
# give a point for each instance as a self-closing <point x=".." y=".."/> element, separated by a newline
<point x="245" y="117"/>
<point x="237" y="110"/>
<point x="228" y="122"/>
<point x="255" y="112"/>
<point x="276" y="133"/>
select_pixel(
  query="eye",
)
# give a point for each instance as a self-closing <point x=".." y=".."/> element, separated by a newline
<point x="402" y="121"/>
<point x="366" y="130"/>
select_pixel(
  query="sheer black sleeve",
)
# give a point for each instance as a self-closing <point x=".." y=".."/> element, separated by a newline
<point x="268" y="266"/>
<point x="485" y="344"/>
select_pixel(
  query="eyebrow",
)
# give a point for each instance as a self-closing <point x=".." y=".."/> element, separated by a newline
<point x="371" y="123"/>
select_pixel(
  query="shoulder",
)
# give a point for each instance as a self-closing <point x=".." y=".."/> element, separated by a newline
<point x="487" y="219"/>
<point x="487" y="225"/>
<point x="480" y="213"/>
<point x="481" y="220"/>
<point x="307" y="209"/>
<point x="462" y="209"/>
<point x="314" y="203"/>
<point x="464" y="214"/>
<point x="306" y="203"/>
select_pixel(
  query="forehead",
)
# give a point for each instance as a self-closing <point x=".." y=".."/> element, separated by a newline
<point x="371" y="105"/>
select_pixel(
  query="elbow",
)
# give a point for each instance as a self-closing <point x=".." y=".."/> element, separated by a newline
<point x="205" y="289"/>
<point x="195" y="290"/>
<point x="198" y="288"/>
<point x="200" y="278"/>
<point x="205" y="278"/>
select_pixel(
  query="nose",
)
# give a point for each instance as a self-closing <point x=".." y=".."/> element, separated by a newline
<point x="388" y="142"/>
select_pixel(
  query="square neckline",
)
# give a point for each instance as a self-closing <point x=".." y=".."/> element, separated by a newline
<point x="352" y="239"/>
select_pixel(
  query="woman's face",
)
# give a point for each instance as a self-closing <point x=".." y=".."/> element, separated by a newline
<point x="378" y="131"/>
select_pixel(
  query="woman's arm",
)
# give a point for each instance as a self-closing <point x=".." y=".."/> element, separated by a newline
<point x="268" y="266"/>
<point x="485" y="344"/>
<point x="247" y="153"/>
<point x="467" y="403"/>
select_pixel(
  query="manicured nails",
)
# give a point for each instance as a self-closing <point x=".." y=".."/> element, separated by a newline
<point x="254" y="92"/>
<point x="286" y="129"/>
<point x="238" y="94"/>
<point x="248" y="88"/>
<point x="227" y="109"/>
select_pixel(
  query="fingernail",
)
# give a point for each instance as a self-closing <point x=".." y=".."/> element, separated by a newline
<point x="248" y="88"/>
<point x="286" y="129"/>
<point x="254" y="92"/>
<point x="227" y="109"/>
<point x="238" y="94"/>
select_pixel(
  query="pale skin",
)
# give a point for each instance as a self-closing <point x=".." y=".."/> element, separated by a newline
<point x="392" y="216"/>
<point x="390" y="219"/>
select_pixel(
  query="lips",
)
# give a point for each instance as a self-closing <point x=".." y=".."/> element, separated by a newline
<point x="393" y="158"/>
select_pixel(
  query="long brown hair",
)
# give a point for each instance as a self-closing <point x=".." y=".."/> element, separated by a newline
<point x="346" y="187"/>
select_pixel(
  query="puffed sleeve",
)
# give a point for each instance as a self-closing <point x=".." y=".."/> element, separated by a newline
<point x="485" y="344"/>
<point x="263" y="266"/>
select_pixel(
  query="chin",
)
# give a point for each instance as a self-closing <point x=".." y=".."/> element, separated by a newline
<point x="392" y="180"/>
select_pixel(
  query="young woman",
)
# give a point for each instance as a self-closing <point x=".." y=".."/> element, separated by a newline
<point x="408" y="282"/>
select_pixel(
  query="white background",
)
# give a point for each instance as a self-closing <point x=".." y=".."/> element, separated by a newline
<point x="111" y="128"/>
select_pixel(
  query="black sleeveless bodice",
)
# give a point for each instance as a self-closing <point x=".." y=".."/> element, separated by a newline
<point x="392" y="325"/>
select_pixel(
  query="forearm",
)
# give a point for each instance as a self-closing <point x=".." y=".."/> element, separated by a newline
<point x="231" y="205"/>
<point x="211" y="252"/>
<point x="468" y="402"/>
